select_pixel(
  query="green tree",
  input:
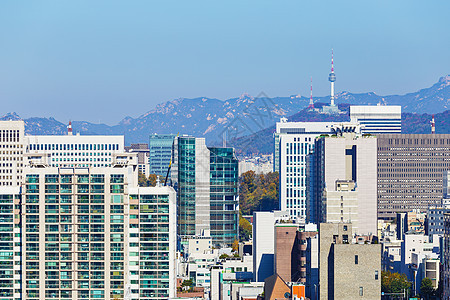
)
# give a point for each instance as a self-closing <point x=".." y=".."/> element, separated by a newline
<point x="394" y="282"/>
<point x="245" y="229"/>
<point x="426" y="288"/>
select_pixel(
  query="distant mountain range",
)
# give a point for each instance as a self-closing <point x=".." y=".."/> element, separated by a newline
<point x="246" y="116"/>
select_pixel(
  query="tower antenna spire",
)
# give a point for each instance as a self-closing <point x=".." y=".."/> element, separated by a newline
<point x="311" y="102"/>
<point x="332" y="78"/>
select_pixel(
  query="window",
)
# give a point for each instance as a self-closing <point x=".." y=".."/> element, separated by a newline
<point x="376" y="275"/>
<point x="356" y="259"/>
<point x="361" y="291"/>
<point x="345" y="227"/>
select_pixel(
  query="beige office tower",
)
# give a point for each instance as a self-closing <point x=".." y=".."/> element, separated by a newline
<point x="345" y="181"/>
<point x="92" y="233"/>
<point x="11" y="152"/>
<point x="410" y="172"/>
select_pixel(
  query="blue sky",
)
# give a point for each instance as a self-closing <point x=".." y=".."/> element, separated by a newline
<point x="103" y="60"/>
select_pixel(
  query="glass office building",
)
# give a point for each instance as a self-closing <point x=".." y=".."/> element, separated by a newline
<point x="206" y="180"/>
<point x="160" y="147"/>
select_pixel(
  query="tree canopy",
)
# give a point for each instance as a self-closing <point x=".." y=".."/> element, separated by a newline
<point x="394" y="282"/>
<point x="258" y="192"/>
<point x="426" y="288"/>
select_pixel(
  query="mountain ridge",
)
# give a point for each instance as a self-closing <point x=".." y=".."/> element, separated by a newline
<point x="235" y="117"/>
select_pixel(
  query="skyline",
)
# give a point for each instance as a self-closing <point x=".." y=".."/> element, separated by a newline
<point x="58" y="59"/>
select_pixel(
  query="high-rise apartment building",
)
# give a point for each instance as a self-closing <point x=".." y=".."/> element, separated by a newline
<point x="376" y="119"/>
<point x="410" y="171"/>
<point x="92" y="233"/>
<point x="294" y="141"/>
<point x="207" y="184"/>
<point x="160" y="147"/>
<point x="11" y="152"/>
<point x="345" y="181"/>
<point x="77" y="151"/>
<point x="10" y="239"/>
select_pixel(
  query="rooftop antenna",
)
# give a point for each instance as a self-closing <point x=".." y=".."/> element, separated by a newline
<point x="69" y="128"/>
<point x="311" y="102"/>
<point x="332" y="78"/>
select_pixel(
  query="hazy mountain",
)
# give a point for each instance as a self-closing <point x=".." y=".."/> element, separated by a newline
<point x="237" y="117"/>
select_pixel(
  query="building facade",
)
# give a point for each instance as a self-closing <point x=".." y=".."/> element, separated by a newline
<point x="345" y="169"/>
<point x="377" y="119"/>
<point x="410" y="171"/>
<point x="207" y="184"/>
<point x="294" y="142"/>
<point x="446" y="258"/>
<point x="92" y="233"/>
<point x="11" y="278"/>
<point x="160" y="148"/>
<point x="76" y="151"/>
<point x="348" y="270"/>
<point x="143" y="157"/>
<point x="11" y="152"/>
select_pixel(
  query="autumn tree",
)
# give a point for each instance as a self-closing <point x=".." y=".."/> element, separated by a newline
<point x="245" y="229"/>
<point x="394" y="282"/>
<point x="258" y="192"/>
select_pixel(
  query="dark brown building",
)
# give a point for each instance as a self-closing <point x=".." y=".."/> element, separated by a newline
<point x="410" y="171"/>
<point x="285" y="262"/>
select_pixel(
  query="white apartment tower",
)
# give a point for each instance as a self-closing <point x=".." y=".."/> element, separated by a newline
<point x="11" y="152"/>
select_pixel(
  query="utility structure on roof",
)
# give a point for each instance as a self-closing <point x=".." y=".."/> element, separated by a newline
<point x="311" y="102"/>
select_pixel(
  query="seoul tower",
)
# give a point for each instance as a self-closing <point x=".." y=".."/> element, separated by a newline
<point x="311" y="102"/>
<point x="332" y="78"/>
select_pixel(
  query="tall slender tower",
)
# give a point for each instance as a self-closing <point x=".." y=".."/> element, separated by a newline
<point x="311" y="103"/>
<point x="332" y="78"/>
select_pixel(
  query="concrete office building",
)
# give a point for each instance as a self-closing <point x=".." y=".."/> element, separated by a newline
<point x="11" y="152"/>
<point x="348" y="270"/>
<point x="377" y="119"/>
<point x="410" y="171"/>
<point x="346" y="173"/>
<point x="207" y="184"/>
<point x="76" y="151"/>
<point x="143" y="157"/>
<point x="92" y="233"/>
<point x="160" y="147"/>
<point x="294" y="141"/>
